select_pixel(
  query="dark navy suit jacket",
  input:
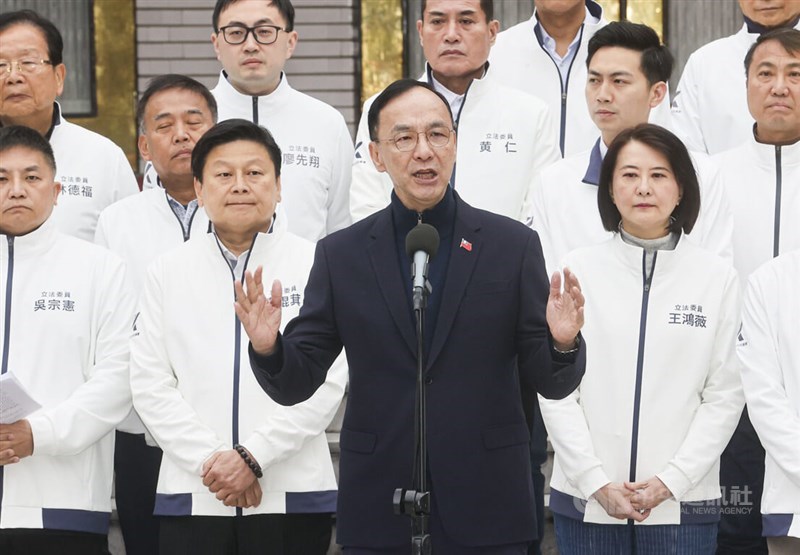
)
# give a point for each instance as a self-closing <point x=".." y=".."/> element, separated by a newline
<point x="491" y="338"/>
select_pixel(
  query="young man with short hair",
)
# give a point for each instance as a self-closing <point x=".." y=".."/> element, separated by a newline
<point x="628" y="69"/>
<point x="253" y="39"/>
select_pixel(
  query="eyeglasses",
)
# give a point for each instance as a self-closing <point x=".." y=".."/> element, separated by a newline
<point x="25" y="65"/>
<point x="264" y="34"/>
<point x="405" y="141"/>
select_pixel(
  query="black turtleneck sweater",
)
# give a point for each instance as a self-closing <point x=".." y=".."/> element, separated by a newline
<point x="442" y="217"/>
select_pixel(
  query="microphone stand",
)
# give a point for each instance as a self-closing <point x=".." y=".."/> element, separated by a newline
<point x="415" y="503"/>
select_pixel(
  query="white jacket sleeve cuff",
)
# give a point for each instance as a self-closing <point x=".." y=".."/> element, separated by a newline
<point x="43" y="434"/>
<point x="676" y="481"/>
<point x="591" y="481"/>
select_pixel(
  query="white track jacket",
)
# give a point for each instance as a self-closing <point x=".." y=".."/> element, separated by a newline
<point x="195" y="391"/>
<point x="66" y="317"/>
<point x="662" y="394"/>
<point x="762" y="185"/>
<point x="770" y="356"/>
<point x="139" y="229"/>
<point x="93" y="172"/>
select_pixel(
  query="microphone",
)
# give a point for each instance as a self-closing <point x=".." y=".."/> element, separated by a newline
<point x="422" y="243"/>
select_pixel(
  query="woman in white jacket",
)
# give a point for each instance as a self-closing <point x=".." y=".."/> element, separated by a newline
<point x="637" y="445"/>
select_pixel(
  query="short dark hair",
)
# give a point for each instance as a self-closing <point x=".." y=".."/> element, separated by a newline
<point x="52" y="36"/>
<point x="487" y="6"/>
<point x="169" y="82"/>
<point x="656" y="60"/>
<point x="787" y="37"/>
<point x="230" y="131"/>
<point x="284" y="7"/>
<point x="18" y="135"/>
<point x="665" y="142"/>
<point x="398" y="88"/>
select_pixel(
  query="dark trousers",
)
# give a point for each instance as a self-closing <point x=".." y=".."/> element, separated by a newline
<point x="17" y="541"/>
<point x="580" y="538"/>
<point x="136" y="467"/>
<point x="538" y="458"/>
<point x="294" y="534"/>
<point x="742" y="481"/>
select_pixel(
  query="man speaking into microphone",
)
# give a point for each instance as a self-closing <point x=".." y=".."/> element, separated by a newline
<point x="492" y="328"/>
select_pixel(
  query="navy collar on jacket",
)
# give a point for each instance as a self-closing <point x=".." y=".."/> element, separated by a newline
<point x="758" y="29"/>
<point x="56" y="120"/>
<point x="592" y="176"/>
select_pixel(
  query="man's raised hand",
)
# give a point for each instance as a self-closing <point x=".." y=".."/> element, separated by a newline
<point x="261" y="318"/>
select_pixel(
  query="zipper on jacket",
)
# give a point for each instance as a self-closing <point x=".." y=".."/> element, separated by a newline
<point x="458" y="119"/>
<point x="7" y="315"/>
<point x="188" y="231"/>
<point x="237" y="351"/>
<point x="255" y="110"/>
<point x="562" y="138"/>
<point x="776" y="240"/>
<point x="429" y="79"/>
<point x="637" y="396"/>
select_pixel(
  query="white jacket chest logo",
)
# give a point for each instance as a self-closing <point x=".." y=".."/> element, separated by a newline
<point x="691" y="315"/>
<point x="301" y="155"/>
<point x="498" y="142"/>
<point x="75" y="186"/>
<point x="54" y="301"/>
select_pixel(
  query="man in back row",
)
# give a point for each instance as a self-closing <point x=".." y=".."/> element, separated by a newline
<point x="93" y="171"/>
<point x="253" y="39"/>
<point x="173" y="113"/>
<point x="506" y="137"/>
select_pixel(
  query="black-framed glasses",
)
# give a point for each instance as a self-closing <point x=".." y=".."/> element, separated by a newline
<point x="405" y="141"/>
<point x="264" y="34"/>
<point x="25" y="65"/>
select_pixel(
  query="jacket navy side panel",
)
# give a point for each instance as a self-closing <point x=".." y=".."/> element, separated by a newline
<point x="94" y="522"/>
